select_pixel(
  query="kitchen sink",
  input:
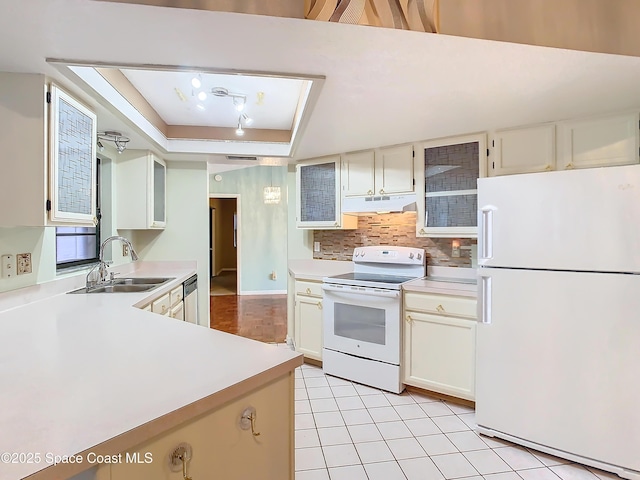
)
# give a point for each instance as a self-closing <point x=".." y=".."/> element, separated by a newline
<point x="127" y="285"/>
<point x="141" y="281"/>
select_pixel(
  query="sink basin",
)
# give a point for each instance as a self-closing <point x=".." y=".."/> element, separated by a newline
<point x="141" y="281"/>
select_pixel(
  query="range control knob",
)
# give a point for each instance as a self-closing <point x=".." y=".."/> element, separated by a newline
<point x="419" y="256"/>
<point x="411" y="255"/>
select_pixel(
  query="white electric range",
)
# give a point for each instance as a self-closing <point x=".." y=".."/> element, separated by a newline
<point x="362" y="314"/>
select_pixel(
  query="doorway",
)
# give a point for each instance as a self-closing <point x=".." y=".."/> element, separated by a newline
<point x="224" y="245"/>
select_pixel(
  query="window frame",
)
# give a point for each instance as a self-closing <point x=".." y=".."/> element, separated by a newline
<point x="62" y="266"/>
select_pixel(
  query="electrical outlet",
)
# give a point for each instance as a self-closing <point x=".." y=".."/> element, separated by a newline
<point x="125" y="250"/>
<point x="8" y="267"/>
<point x="273" y="275"/>
<point x="316" y="246"/>
<point x="23" y="261"/>
<point x="455" y="249"/>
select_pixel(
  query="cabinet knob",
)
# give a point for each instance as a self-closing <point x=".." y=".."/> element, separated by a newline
<point x="440" y="308"/>
<point x="95" y="221"/>
<point x="548" y="168"/>
<point x="409" y="319"/>
<point x="422" y="232"/>
<point x="164" y="308"/>
<point x="319" y="305"/>
<point x="382" y="191"/>
<point x="308" y="291"/>
<point x="370" y="192"/>
<point x="569" y="166"/>
<point x="335" y="224"/>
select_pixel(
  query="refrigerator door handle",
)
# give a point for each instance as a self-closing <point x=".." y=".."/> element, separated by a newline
<point x="486" y="232"/>
<point x="484" y="301"/>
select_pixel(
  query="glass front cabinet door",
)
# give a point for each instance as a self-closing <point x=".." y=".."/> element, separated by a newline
<point x="73" y="161"/>
<point x="318" y="195"/>
<point x="449" y="169"/>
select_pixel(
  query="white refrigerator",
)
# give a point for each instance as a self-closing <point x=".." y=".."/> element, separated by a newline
<point x="558" y="340"/>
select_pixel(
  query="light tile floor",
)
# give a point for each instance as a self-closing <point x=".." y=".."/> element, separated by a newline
<point x="347" y="431"/>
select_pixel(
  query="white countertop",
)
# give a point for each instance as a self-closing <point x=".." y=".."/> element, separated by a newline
<point x="77" y="371"/>
<point x="317" y="269"/>
<point x="446" y="281"/>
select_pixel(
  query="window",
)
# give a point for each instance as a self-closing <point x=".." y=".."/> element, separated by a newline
<point x="77" y="246"/>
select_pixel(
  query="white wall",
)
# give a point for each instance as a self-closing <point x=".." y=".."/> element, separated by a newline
<point x="299" y="242"/>
<point x="186" y="235"/>
<point x="262" y="229"/>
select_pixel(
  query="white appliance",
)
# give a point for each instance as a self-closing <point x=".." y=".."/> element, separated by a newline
<point x="558" y="340"/>
<point x="191" y="299"/>
<point x="362" y="312"/>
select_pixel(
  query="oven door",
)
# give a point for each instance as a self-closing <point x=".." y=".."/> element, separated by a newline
<point x="362" y="321"/>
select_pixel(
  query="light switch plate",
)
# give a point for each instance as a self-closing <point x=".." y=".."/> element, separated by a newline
<point x="8" y="266"/>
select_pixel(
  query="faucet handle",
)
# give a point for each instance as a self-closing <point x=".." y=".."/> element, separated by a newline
<point x="112" y="275"/>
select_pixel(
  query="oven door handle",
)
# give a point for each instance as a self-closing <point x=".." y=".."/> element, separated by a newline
<point x="348" y="291"/>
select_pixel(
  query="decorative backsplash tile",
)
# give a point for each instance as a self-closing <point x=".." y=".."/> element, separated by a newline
<point x="389" y="229"/>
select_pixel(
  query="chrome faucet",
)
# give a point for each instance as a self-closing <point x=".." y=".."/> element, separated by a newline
<point x="102" y="265"/>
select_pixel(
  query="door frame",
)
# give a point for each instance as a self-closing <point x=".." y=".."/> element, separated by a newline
<point x="238" y="235"/>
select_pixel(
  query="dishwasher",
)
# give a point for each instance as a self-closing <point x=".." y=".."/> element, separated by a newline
<point x="191" y="299"/>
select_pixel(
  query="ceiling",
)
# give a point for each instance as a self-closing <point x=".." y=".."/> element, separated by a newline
<point x="382" y="87"/>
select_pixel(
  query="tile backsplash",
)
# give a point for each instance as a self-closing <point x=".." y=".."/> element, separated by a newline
<point x="390" y="229"/>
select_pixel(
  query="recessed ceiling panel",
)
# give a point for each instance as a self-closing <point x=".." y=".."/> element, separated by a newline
<point x="271" y="102"/>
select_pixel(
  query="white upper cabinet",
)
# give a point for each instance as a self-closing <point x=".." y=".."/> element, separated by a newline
<point x="383" y="171"/>
<point x="318" y="195"/>
<point x="48" y="144"/>
<point x="358" y="174"/>
<point x="599" y="142"/>
<point x="141" y="191"/>
<point x="394" y="170"/>
<point x="447" y="171"/>
<point x="523" y="150"/>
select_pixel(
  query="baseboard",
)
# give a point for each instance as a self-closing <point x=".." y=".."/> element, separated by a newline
<point x="262" y="292"/>
<point x="228" y="270"/>
<point x="442" y="396"/>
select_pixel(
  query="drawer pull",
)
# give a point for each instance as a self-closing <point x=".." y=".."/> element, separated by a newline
<point x="248" y="420"/>
<point x="164" y="308"/>
<point x="308" y="291"/>
<point x="409" y="319"/>
<point x="440" y="308"/>
<point x="180" y="456"/>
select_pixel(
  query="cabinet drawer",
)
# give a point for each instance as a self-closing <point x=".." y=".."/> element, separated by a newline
<point x="176" y="295"/>
<point x="177" y="311"/>
<point x="313" y="289"/>
<point x="162" y="304"/>
<point x="440" y="304"/>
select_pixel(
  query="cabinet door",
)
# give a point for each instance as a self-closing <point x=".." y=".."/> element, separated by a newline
<point x="220" y="448"/>
<point x="308" y="329"/>
<point x="318" y="195"/>
<point x="73" y="161"/>
<point x="439" y="354"/>
<point x="524" y="150"/>
<point x="394" y="170"/>
<point x="599" y="142"/>
<point x="358" y="178"/>
<point x="157" y="192"/>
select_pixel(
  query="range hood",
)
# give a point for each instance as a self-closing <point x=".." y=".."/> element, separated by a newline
<point x="380" y="204"/>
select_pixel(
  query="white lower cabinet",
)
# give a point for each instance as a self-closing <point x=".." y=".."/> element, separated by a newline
<point x="439" y="343"/>
<point x="308" y="319"/>
<point x="170" y="304"/>
<point x="220" y="448"/>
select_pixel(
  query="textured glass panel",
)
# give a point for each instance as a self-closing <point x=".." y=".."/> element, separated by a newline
<point x="452" y="167"/>
<point x="452" y="211"/>
<point x="365" y="324"/>
<point x="158" y="192"/>
<point x="74" y="248"/>
<point x="75" y="160"/>
<point x="318" y="193"/>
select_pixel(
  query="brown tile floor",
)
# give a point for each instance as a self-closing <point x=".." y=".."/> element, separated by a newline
<point x="259" y="317"/>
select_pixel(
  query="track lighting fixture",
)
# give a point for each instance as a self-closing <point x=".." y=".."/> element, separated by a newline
<point x="117" y="138"/>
